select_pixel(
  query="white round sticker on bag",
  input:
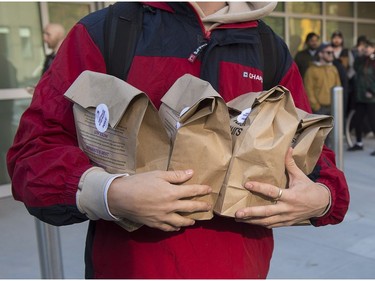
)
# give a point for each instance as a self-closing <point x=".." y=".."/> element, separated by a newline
<point x="183" y="111"/>
<point x="243" y="116"/>
<point x="101" y="117"/>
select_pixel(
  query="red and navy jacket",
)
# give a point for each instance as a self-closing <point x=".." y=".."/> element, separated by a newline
<point x="45" y="162"/>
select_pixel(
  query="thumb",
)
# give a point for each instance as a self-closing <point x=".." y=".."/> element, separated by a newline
<point x="178" y="176"/>
<point x="290" y="164"/>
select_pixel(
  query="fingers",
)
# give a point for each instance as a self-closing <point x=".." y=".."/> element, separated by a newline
<point x="185" y="191"/>
<point x="257" y="212"/>
<point x="179" y="176"/>
<point x="268" y="216"/>
<point x="192" y="190"/>
<point x="192" y="206"/>
<point x="268" y="190"/>
<point x="262" y="215"/>
<point x="173" y="222"/>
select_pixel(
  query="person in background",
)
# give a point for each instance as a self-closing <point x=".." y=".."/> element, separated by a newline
<point x="319" y="80"/>
<point x="53" y="36"/>
<point x="340" y="52"/>
<point x="365" y="89"/>
<point x="343" y="60"/>
<point x="357" y="51"/>
<point x="59" y="185"/>
<point x="305" y="57"/>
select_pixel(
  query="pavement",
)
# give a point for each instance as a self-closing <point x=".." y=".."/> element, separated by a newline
<point x="344" y="251"/>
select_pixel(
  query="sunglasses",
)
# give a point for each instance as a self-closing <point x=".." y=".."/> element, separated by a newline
<point x="328" y="52"/>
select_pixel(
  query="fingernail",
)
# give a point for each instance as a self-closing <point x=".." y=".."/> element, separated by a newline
<point x="240" y="215"/>
<point x="189" y="172"/>
<point x="249" y="185"/>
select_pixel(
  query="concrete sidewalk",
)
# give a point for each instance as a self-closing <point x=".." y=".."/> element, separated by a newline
<point x="343" y="251"/>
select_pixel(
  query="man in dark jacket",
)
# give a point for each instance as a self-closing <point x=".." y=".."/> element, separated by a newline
<point x="58" y="183"/>
<point x="305" y="57"/>
<point x="365" y="98"/>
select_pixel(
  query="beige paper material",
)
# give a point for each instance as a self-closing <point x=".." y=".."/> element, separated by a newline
<point x="198" y="123"/>
<point x="263" y="126"/>
<point x="118" y="127"/>
<point x="308" y="142"/>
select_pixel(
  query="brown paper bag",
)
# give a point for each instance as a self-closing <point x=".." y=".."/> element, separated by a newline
<point x="198" y="123"/>
<point x="308" y="142"/>
<point x="263" y="126"/>
<point x="118" y="127"/>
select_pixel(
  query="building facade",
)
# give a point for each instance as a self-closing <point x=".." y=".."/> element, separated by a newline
<point x="22" y="49"/>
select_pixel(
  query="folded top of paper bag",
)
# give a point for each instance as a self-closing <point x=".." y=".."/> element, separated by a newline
<point x="87" y="91"/>
<point x="187" y="91"/>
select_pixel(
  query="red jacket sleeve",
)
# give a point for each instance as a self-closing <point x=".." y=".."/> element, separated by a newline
<point x="45" y="162"/>
<point x="325" y="171"/>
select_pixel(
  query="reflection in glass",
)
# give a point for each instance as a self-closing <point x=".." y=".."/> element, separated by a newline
<point x="366" y="10"/>
<point x="277" y="24"/>
<point x="20" y="33"/>
<point x="280" y="7"/>
<point x="4" y="41"/>
<point x="8" y="73"/>
<point x="25" y="38"/>
<point x="298" y="30"/>
<point x="6" y="113"/>
<point x="312" y="8"/>
<point x="341" y="9"/>
<point x="366" y="29"/>
<point x="67" y="14"/>
<point x="10" y="114"/>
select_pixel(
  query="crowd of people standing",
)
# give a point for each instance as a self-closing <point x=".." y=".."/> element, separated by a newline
<point x="329" y="64"/>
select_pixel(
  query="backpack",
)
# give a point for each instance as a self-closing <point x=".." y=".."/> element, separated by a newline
<point x="123" y="26"/>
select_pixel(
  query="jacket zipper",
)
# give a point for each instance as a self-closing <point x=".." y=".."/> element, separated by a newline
<point x="193" y="56"/>
<point x="206" y="38"/>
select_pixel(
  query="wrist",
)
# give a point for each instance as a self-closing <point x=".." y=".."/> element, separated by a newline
<point x="329" y="200"/>
<point x="91" y="196"/>
<point x="106" y="192"/>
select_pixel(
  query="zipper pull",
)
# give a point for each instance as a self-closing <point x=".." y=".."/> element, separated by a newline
<point x="193" y="56"/>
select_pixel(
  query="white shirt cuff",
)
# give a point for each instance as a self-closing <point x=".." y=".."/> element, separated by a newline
<point x="91" y="197"/>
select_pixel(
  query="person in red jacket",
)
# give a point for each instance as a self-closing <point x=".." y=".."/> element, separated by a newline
<point x="59" y="185"/>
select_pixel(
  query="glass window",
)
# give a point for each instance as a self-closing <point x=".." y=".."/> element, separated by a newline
<point x="366" y="10"/>
<point x="346" y="28"/>
<point x="277" y="25"/>
<point x="298" y="30"/>
<point x="21" y="58"/>
<point x="280" y="7"/>
<point x="312" y="8"/>
<point x="25" y="38"/>
<point x="21" y="48"/>
<point x="67" y="13"/>
<point x="366" y="29"/>
<point x="342" y="9"/>
<point x="13" y="103"/>
<point x="4" y="41"/>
